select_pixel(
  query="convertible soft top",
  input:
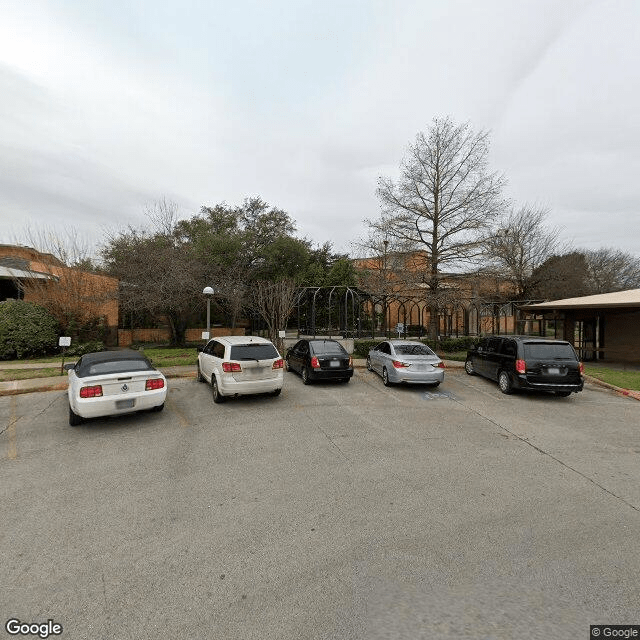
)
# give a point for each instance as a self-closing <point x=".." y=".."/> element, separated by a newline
<point x="93" y="363"/>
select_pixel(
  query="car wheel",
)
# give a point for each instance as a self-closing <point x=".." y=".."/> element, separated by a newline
<point x="199" y="376"/>
<point x="159" y="408"/>
<point x="385" y="378"/>
<point x="563" y="394"/>
<point x="276" y="392"/>
<point x="369" y="367"/>
<point x="345" y="380"/>
<point x="435" y="385"/>
<point x="468" y="367"/>
<point x="218" y="398"/>
<point x="74" y="419"/>
<point x="305" y="376"/>
<point x="504" y="382"/>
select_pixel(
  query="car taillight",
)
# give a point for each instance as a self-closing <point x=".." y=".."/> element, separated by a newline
<point x="440" y="365"/>
<point x="278" y="364"/>
<point x="350" y="361"/>
<point x="154" y="383"/>
<point x="400" y="365"/>
<point x="314" y="363"/>
<point x="521" y="366"/>
<point x="581" y="367"/>
<point x="91" y="392"/>
<point x="231" y="367"/>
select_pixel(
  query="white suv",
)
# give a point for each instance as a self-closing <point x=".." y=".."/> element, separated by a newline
<point x="240" y="365"/>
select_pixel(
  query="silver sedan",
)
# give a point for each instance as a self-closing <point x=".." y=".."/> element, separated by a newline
<point x="406" y="361"/>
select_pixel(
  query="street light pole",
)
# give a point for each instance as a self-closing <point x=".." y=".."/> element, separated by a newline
<point x="208" y="291"/>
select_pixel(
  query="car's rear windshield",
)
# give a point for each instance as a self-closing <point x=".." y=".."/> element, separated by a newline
<point x="253" y="352"/>
<point x="548" y="351"/>
<point x="413" y="350"/>
<point x="326" y="347"/>
<point x="116" y="366"/>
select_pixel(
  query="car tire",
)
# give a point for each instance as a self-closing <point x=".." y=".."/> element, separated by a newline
<point x="563" y="394"/>
<point x="199" y="376"/>
<point x="158" y="408"/>
<point x="305" y="376"/>
<point x="504" y="382"/>
<point x="345" y="380"/>
<point x="74" y="419"/>
<point x="218" y="398"/>
<point x="369" y="367"/>
<point x="468" y="367"/>
<point x="385" y="378"/>
<point x="276" y="392"/>
<point x="435" y="385"/>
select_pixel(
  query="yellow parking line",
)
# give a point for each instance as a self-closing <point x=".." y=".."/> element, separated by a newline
<point x="184" y="421"/>
<point x="12" y="447"/>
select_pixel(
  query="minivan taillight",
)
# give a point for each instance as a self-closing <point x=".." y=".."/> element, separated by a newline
<point x="314" y="363"/>
<point x="521" y="366"/>
<point x="91" y="392"/>
<point x="581" y="367"/>
<point x="278" y="364"/>
<point x="154" y="383"/>
<point x="231" y="367"/>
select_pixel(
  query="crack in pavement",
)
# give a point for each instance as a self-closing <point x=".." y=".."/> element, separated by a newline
<point x="549" y="455"/>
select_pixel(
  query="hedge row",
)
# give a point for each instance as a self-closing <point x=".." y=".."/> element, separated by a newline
<point x="361" y="348"/>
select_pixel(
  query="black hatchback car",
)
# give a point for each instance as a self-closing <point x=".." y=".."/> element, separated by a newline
<point x="522" y="362"/>
<point x="318" y="359"/>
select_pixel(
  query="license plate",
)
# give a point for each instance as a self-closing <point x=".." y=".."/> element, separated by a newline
<point x="125" y="404"/>
<point x="553" y="371"/>
<point x="334" y="363"/>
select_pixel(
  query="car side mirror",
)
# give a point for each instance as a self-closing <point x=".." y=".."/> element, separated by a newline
<point x="200" y="349"/>
<point x="69" y="365"/>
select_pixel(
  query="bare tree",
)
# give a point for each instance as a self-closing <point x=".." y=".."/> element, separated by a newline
<point x="611" y="269"/>
<point x="64" y="281"/>
<point x="444" y="201"/>
<point x="275" y="302"/>
<point x="521" y="244"/>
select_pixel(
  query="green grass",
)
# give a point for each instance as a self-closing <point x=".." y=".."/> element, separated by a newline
<point x="459" y="356"/>
<point x="622" y="379"/>
<point x="25" y="374"/>
<point x="171" y="356"/>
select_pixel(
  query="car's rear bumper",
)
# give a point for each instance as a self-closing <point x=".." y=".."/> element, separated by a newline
<point x="521" y="382"/>
<point x="118" y="404"/>
<point x="330" y="374"/>
<point x="229" y="387"/>
<point x="416" y="377"/>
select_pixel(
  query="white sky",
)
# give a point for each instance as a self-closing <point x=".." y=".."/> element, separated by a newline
<point x="106" y="107"/>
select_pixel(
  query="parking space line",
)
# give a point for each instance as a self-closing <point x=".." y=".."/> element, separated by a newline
<point x="173" y="407"/>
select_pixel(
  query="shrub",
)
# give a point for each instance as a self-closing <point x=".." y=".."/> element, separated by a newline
<point x="26" y="329"/>
<point x="451" y="345"/>
<point x="361" y="347"/>
<point x="81" y="348"/>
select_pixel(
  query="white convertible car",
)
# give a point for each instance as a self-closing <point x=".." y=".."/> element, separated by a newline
<point x="111" y="383"/>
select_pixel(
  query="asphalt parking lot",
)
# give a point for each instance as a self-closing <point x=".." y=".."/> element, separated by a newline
<point x="332" y="511"/>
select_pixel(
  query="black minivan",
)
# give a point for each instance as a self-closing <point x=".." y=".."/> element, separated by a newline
<point x="523" y="362"/>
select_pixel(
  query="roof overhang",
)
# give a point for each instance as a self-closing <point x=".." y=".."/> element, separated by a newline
<point x="618" y="300"/>
<point x="19" y="274"/>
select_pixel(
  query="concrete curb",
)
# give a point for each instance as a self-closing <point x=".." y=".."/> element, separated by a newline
<point x="630" y="393"/>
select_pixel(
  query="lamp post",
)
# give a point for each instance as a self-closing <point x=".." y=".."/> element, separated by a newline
<point x="208" y="291"/>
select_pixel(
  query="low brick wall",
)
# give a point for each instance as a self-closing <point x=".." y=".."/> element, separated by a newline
<point x="128" y="336"/>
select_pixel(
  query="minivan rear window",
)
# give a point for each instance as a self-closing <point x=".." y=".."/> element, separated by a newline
<point x="548" y="351"/>
<point x="253" y="352"/>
